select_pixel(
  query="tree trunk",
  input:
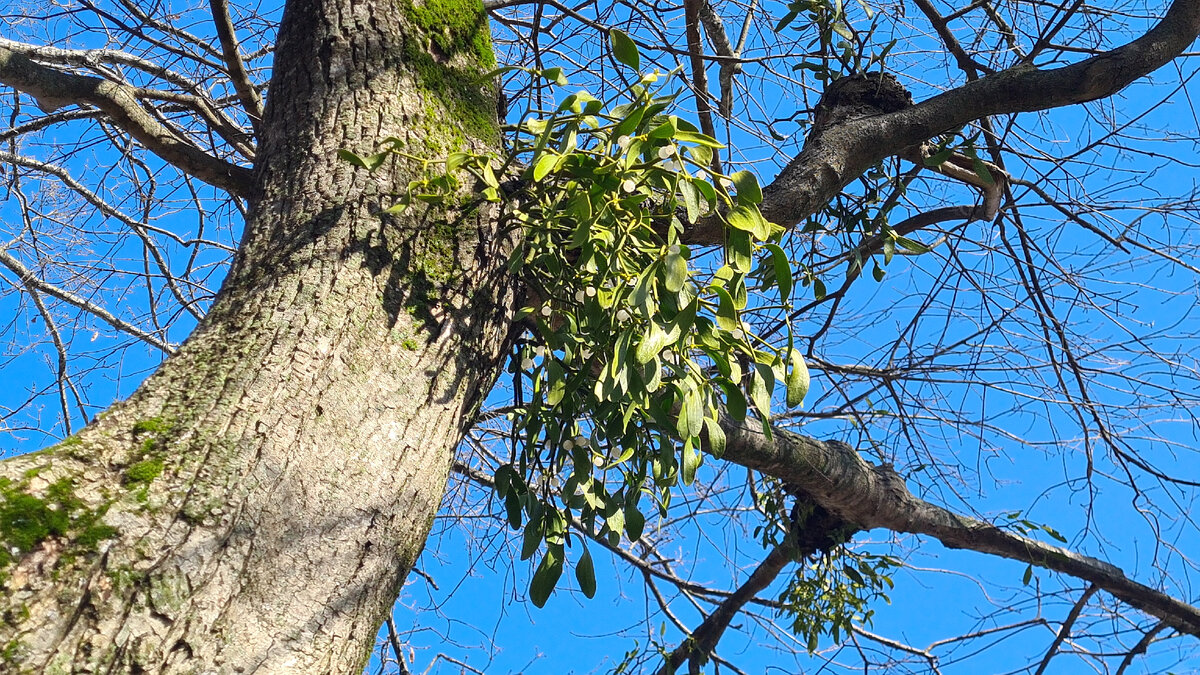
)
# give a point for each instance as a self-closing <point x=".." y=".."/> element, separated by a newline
<point x="256" y="505"/>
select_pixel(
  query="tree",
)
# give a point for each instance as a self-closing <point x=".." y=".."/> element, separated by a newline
<point x="257" y="502"/>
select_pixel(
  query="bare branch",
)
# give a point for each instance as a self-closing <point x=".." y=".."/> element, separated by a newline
<point x="965" y="63"/>
<point x="236" y="68"/>
<point x="53" y="89"/>
<point x="29" y="279"/>
<point x="1065" y="629"/>
<point x="714" y="28"/>
<point x="91" y="58"/>
<point x="1140" y="647"/>
<point x="702" y="641"/>
<point x="62" y="378"/>
<point x="699" y="75"/>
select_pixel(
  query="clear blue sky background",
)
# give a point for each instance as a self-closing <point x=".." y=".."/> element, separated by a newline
<point x="479" y="600"/>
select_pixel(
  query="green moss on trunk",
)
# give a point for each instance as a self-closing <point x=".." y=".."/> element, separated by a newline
<point x="452" y="51"/>
<point x="27" y="519"/>
<point x="32" y="510"/>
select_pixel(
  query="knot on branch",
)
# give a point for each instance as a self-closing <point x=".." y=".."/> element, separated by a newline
<point x="859" y="95"/>
<point x="889" y="478"/>
<point x="815" y="529"/>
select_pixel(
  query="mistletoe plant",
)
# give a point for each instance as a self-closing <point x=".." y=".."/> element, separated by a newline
<point x="637" y="349"/>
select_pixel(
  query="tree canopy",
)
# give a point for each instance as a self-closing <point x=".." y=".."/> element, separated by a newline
<point x="779" y="300"/>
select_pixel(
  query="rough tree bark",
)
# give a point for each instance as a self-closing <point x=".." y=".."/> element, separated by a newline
<point x="255" y="506"/>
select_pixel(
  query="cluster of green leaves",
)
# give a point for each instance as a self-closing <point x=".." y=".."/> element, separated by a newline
<point x="637" y="346"/>
<point x="831" y="593"/>
<point x="841" y="48"/>
<point x="636" y="351"/>
<point x="1017" y="522"/>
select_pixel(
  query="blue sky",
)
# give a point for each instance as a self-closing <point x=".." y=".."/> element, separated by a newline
<point x="1024" y="454"/>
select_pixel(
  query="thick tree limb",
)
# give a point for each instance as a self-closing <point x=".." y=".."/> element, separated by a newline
<point x="834" y="475"/>
<point x="843" y="153"/>
<point x="832" y="472"/>
<point x="832" y="160"/>
<point x="193" y="95"/>
<point x="53" y="89"/>
<point x="95" y="58"/>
